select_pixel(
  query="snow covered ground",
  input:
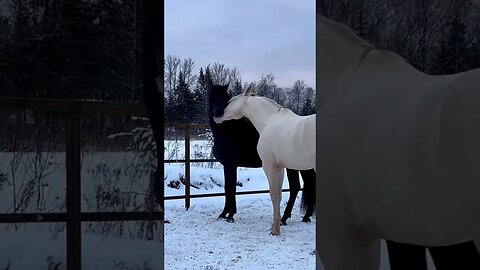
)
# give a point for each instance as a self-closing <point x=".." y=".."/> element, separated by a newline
<point x="110" y="182"/>
<point x="36" y="246"/>
<point x="194" y="239"/>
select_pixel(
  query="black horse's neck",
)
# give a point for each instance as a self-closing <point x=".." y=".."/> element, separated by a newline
<point x="218" y="98"/>
<point x="211" y="122"/>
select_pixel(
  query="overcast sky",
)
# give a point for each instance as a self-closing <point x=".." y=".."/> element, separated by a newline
<point x="255" y="36"/>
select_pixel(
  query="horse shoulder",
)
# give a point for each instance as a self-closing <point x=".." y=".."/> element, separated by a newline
<point x="265" y="144"/>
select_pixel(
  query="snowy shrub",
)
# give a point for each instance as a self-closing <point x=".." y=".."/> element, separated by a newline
<point x="123" y="184"/>
<point x="174" y="184"/>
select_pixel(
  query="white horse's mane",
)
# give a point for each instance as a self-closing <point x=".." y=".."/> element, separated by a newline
<point x="273" y="102"/>
<point x="267" y="99"/>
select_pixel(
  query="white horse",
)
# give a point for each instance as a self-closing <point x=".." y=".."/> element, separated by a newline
<point x="286" y="140"/>
<point x="398" y="153"/>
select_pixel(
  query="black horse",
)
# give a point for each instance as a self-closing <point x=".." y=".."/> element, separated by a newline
<point x="235" y="145"/>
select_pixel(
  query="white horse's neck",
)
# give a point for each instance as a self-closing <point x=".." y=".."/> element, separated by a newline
<point x="259" y="110"/>
<point x="338" y="49"/>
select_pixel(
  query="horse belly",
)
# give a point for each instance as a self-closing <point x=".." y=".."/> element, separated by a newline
<point x="422" y="217"/>
<point x="281" y="147"/>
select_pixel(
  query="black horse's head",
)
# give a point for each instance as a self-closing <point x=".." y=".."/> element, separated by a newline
<point x="218" y="98"/>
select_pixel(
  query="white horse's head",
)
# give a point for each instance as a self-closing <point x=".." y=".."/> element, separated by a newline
<point x="234" y="109"/>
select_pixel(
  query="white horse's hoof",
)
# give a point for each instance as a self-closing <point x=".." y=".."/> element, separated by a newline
<point x="275" y="233"/>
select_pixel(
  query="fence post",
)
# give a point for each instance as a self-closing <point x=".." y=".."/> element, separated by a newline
<point x="74" y="236"/>
<point x="187" y="166"/>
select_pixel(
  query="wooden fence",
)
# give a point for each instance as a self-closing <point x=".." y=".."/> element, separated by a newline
<point x="74" y="216"/>
<point x="187" y="128"/>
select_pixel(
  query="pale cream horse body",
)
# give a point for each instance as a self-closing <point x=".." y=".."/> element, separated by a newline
<point x="398" y="153"/>
<point x="287" y="140"/>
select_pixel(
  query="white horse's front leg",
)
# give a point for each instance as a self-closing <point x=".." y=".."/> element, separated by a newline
<point x="275" y="181"/>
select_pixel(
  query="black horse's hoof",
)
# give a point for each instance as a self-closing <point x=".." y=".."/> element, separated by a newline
<point x="306" y="219"/>
<point x="283" y="223"/>
<point x="230" y="220"/>
<point x="221" y="217"/>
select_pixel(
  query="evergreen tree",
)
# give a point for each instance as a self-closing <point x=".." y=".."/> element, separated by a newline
<point x="183" y="105"/>
<point x="208" y="76"/>
<point x="200" y="98"/>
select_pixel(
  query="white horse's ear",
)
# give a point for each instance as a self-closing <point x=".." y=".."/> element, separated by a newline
<point x="249" y="91"/>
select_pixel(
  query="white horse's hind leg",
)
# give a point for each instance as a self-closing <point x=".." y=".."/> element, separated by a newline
<point x="339" y="251"/>
<point x="275" y="181"/>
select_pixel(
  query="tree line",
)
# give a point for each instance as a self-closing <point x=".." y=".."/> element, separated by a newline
<point x="85" y="50"/>
<point x="186" y="93"/>
<point x="91" y="50"/>
<point x="88" y="50"/>
<point x="435" y="36"/>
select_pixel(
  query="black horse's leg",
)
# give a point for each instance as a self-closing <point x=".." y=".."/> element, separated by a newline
<point x="458" y="256"/>
<point x="308" y="194"/>
<point x="230" y="179"/>
<point x="294" y="184"/>
<point x="406" y="256"/>
<point x="225" y="207"/>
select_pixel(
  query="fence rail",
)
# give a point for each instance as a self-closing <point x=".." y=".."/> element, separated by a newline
<point x="188" y="196"/>
<point x="73" y="217"/>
